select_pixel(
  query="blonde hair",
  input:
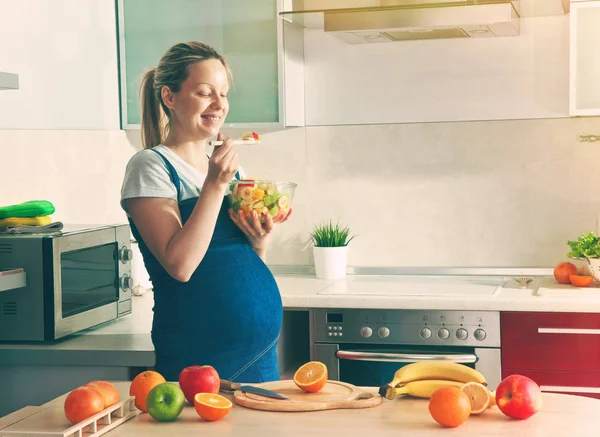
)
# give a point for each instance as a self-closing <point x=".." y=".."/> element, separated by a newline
<point x="172" y="71"/>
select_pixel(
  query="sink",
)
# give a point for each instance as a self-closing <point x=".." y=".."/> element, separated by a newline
<point x="417" y="285"/>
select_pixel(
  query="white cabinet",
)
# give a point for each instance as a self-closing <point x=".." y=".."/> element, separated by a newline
<point x="268" y="84"/>
<point x="585" y="58"/>
<point x="65" y="55"/>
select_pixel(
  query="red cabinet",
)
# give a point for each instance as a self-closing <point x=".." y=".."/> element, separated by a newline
<point x="560" y="351"/>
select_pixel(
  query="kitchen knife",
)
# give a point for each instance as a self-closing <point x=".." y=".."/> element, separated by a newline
<point x="228" y="386"/>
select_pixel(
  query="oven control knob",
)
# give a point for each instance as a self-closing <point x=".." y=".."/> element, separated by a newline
<point x="126" y="282"/>
<point x="462" y="334"/>
<point x="443" y="333"/>
<point x="480" y="334"/>
<point x="425" y="332"/>
<point x="383" y="332"/>
<point x="125" y="255"/>
<point x="366" y="332"/>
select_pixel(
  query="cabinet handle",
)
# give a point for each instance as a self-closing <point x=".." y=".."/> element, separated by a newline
<point x="403" y="358"/>
<point x="568" y="331"/>
<point x="567" y="389"/>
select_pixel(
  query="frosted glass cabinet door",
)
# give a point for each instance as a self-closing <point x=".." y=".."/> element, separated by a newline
<point x="244" y="31"/>
<point x="585" y="58"/>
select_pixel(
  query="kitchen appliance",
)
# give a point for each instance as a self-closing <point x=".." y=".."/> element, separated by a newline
<point x="419" y="285"/>
<point x="369" y="21"/>
<point x="75" y="279"/>
<point x="365" y="347"/>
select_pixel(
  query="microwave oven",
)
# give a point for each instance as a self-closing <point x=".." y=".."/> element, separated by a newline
<point x="75" y="279"/>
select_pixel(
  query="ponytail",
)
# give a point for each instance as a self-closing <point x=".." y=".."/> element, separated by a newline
<point x="152" y="127"/>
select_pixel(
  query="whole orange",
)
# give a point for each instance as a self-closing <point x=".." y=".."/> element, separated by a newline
<point x="449" y="406"/>
<point x="141" y="386"/>
<point x="563" y="271"/>
<point x="109" y="392"/>
<point x="81" y="403"/>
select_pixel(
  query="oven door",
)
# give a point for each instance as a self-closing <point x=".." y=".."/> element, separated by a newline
<point x="375" y="365"/>
<point x="86" y="283"/>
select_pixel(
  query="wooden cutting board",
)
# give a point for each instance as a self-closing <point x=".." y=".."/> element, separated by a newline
<point x="334" y="395"/>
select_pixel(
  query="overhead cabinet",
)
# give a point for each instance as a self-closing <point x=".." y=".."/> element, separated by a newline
<point x="267" y="89"/>
<point x="585" y="58"/>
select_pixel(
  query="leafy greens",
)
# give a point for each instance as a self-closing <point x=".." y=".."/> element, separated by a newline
<point x="587" y="245"/>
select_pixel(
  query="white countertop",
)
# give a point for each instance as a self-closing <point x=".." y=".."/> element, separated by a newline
<point x="543" y="294"/>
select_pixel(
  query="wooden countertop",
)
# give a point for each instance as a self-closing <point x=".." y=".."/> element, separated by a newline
<point x="561" y="416"/>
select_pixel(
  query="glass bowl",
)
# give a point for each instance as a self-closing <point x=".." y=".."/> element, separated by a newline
<point x="263" y="196"/>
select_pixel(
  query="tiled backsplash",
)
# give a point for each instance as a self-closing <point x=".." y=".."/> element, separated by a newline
<point x="500" y="193"/>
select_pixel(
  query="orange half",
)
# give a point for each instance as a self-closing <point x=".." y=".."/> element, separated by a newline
<point x="479" y="396"/>
<point x="212" y="406"/>
<point x="311" y="377"/>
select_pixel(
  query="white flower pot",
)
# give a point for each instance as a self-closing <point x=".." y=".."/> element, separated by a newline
<point x="330" y="262"/>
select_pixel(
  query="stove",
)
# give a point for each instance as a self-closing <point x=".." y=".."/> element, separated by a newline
<point x="418" y="285"/>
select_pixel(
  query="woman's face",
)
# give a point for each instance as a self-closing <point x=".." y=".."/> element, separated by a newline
<point x="201" y="105"/>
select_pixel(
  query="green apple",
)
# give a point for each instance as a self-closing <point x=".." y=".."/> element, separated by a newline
<point x="165" y="402"/>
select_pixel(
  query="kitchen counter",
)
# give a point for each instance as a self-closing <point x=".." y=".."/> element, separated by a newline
<point x="561" y="415"/>
<point x="543" y="294"/>
<point x="127" y="340"/>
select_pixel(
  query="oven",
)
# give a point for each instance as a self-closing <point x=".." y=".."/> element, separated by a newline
<point x="365" y="347"/>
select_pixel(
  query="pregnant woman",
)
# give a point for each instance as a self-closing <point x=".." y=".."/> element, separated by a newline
<point x="215" y="300"/>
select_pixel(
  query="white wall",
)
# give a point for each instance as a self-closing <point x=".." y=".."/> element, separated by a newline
<point x="487" y="193"/>
<point x="65" y="53"/>
<point x="520" y="77"/>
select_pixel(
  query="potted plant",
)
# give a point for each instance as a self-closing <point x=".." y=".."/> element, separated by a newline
<point x="330" y="250"/>
<point x="587" y="248"/>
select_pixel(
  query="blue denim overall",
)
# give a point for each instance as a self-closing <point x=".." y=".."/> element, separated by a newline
<point x="228" y="315"/>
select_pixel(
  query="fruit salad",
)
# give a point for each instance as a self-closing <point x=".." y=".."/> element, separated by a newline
<point x="252" y="137"/>
<point x="264" y="197"/>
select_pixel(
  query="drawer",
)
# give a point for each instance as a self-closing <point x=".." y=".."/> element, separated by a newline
<point x="567" y="382"/>
<point x="550" y="341"/>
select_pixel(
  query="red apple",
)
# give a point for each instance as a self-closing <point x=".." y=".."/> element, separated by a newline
<point x="518" y="397"/>
<point x="198" y="379"/>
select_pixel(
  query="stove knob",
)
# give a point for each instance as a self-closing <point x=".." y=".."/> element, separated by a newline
<point x="425" y="332"/>
<point x="366" y="332"/>
<point x="480" y="334"/>
<point x="383" y="332"/>
<point x="462" y="334"/>
<point x="443" y="333"/>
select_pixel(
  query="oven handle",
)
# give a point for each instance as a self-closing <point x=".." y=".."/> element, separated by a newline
<point x="404" y="358"/>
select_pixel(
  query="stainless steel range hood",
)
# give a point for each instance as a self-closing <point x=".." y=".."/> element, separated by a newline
<point x="9" y="81"/>
<point x="373" y="21"/>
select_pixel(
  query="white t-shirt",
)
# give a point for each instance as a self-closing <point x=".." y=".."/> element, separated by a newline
<point x="147" y="175"/>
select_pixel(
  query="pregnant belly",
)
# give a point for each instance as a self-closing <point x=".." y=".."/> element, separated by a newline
<point x="232" y="297"/>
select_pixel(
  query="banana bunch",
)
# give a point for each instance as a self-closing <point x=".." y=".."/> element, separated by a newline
<point x="423" y="378"/>
<point x="423" y="389"/>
